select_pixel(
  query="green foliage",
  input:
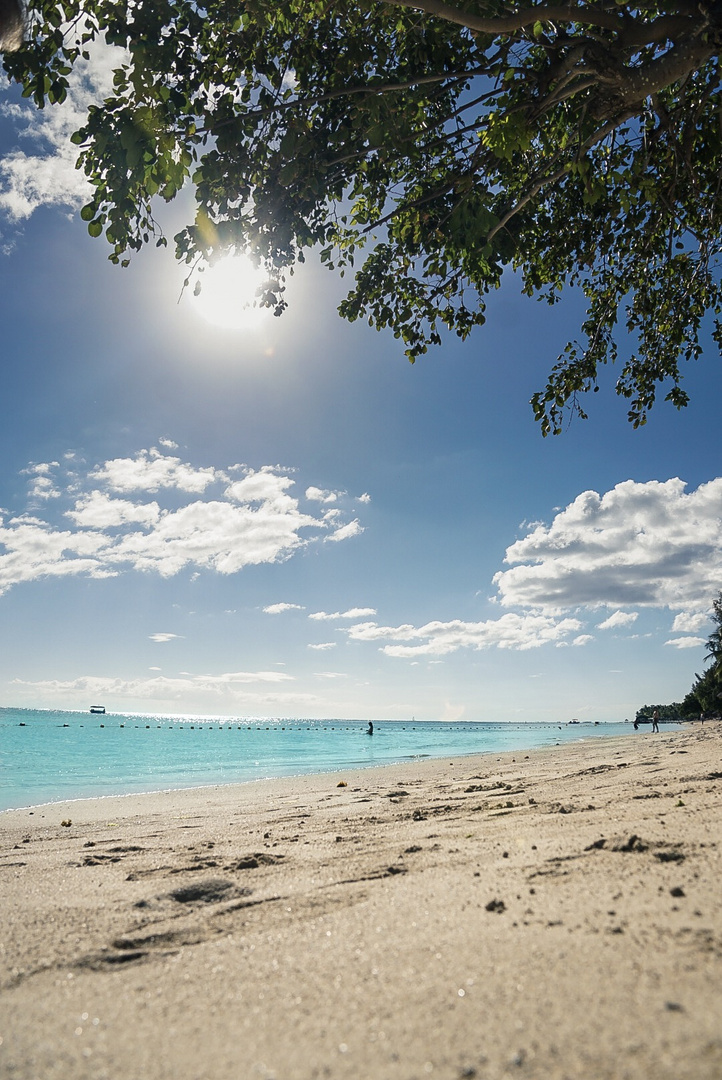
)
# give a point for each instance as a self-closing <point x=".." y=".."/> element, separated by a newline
<point x="714" y="641"/>
<point x="580" y="146"/>
<point x="706" y="693"/>
<point x="666" y="712"/>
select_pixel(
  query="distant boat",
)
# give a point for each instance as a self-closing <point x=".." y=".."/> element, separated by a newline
<point x="98" y="709"/>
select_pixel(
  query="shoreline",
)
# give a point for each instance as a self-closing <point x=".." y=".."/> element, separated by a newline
<point x="578" y="733"/>
<point x="408" y="760"/>
<point x="551" y="913"/>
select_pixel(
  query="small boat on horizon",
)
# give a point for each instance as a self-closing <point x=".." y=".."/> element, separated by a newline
<point x="98" y="709"/>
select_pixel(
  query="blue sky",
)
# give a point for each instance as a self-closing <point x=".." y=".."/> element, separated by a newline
<point x="290" y="520"/>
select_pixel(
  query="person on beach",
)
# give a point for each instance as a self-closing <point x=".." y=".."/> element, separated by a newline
<point x="655" y="720"/>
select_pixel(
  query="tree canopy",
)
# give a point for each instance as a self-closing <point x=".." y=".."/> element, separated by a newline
<point x="706" y="693"/>
<point x="666" y="712"/>
<point x="433" y="147"/>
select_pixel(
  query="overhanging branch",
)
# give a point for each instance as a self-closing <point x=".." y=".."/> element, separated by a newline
<point x="527" y="16"/>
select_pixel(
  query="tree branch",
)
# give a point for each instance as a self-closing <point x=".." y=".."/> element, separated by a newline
<point x="527" y="16"/>
<point x="636" y="84"/>
<point x="551" y="178"/>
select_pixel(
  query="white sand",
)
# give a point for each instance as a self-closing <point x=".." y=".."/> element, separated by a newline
<point x="489" y="917"/>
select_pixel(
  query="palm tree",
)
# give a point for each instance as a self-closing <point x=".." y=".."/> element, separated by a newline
<point x="714" y="641"/>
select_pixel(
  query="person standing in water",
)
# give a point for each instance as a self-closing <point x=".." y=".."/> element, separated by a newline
<point x="370" y="728"/>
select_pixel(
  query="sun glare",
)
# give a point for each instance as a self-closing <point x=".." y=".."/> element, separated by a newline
<point x="228" y="294"/>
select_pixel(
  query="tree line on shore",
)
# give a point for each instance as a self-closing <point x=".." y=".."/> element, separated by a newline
<point x="705" y="696"/>
<point x="706" y="693"/>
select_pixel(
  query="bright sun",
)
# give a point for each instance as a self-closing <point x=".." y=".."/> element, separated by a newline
<point x="228" y="294"/>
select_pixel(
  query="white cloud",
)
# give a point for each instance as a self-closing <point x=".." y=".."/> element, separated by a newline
<point x="686" y="642"/>
<point x="347" y="531"/>
<point x="42" y="468"/>
<point x="162" y="638"/>
<point x="267" y="485"/>
<point x="228" y="678"/>
<point x="99" y="511"/>
<point x="511" y="631"/>
<point x="278" y="609"/>
<point x="583" y="639"/>
<point x="150" y="470"/>
<point x="34" y="550"/>
<point x="232" y="690"/>
<point x="314" y="494"/>
<point x="323" y="646"/>
<point x="43" y="488"/>
<point x="213" y="535"/>
<point x="685" y="623"/>
<point x="647" y="545"/>
<point x="352" y="613"/>
<point x="41" y="171"/>
<point x="242" y="523"/>
<point x="618" y="619"/>
<point x="365" y="498"/>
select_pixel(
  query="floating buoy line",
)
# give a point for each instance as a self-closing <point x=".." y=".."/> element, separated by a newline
<point x="302" y="726"/>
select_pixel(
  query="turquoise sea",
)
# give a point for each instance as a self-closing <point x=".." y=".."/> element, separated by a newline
<point x="52" y="756"/>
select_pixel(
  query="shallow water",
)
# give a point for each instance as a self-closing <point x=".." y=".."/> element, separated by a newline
<point x="49" y="756"/>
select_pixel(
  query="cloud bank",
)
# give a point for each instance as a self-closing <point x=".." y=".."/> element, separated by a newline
<point x="649" y="545"/>
<point x="639" y="545"/>
<point x="643" y="545"/>
<point x="511" y="631"/>
<point x="198" y="519"/>
<point x="236" y="690"/>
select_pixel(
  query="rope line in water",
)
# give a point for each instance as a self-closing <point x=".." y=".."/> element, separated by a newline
<point x="229" y="727"/>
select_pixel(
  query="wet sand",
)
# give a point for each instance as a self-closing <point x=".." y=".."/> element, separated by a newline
<point x="553" y="915"/>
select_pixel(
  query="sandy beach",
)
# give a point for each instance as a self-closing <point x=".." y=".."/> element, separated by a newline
<point x="554" y="914"/>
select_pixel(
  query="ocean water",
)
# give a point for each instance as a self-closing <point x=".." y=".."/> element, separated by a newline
<point x="51" y="756"/>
